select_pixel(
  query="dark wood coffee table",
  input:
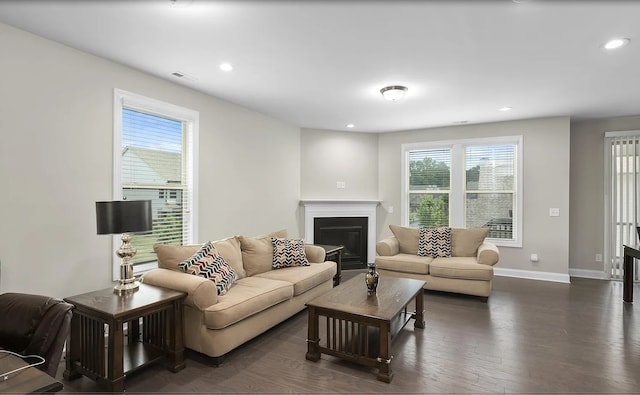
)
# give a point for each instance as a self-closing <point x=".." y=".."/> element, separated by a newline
<point x="360" y="328"/>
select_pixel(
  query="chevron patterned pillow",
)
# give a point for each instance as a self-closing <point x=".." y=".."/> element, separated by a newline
<point x="209" y="264"/>
<point x="288" y="253"/>
<point x="435" y="242"/>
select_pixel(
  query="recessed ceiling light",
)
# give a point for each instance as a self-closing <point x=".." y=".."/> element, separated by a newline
<point x="180" y="3"/>
<point x="459" y="122"/>
<point x="226" y="67"/>
<point x="506" y="108"/>
<point x="616" y="43"/>
<point x="351" y="126"/>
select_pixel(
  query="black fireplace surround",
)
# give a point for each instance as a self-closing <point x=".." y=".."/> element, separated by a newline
<point x="350" y="232"/>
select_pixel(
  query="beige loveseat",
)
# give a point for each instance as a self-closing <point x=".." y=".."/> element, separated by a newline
<point x="260" y="298"/>
<point x="469" y="269"/>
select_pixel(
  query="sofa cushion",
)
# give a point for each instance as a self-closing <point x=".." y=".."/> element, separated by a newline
<point x="407" y="238"/>
<point x="257" y="252"/>
<point x="465" y="241"/>
<point x="229" y="249"/>
<point x="170" y="255"/>
<point x="407" y="263"/>
<point x="435" y="242"/>
<point x="303" y="278"/>
<point x="288" y="253"/>
<point x="461" y="267"/>
<point x="207" y="263"/>
<point x="247" y="297"/>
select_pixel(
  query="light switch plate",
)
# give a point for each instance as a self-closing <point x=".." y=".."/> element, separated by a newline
<point x="554" y="212"/>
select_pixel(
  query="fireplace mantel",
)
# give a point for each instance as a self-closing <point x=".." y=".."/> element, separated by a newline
<point x="315" y="208"/>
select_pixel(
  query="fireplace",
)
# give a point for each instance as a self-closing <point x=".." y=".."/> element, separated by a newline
<point x="363" y="209"/>
<point x="350" y="232"/>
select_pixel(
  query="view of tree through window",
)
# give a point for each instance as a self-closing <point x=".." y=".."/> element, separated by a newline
<point x="429" y="185"/>
<point x="477" y="189"/>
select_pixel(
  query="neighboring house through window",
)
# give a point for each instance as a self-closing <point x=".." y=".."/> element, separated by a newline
<point x="465" y="183"/>
<point x="154" y="159"/>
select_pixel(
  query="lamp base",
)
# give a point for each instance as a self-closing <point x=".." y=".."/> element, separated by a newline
<point x="125" y="288"/>
<point x="127" y="284"/>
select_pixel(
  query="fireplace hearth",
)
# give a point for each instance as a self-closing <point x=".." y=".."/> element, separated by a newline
<point x="350" y="232"/>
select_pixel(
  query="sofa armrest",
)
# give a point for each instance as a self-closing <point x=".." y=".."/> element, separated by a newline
<point x="314" y="254"/>
<point x="388" y="247"/>
<point x="202" y="292"/>
<point x="488" y="254"/>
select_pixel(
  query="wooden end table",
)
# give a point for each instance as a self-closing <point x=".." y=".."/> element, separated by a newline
<point x="360" y="328"/>
<point x="141" y="328"/>
<point x="334" y="253"/>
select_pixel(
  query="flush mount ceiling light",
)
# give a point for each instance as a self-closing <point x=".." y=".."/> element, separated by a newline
<point x="393" y="92"/>
<point x="616" y="43"/>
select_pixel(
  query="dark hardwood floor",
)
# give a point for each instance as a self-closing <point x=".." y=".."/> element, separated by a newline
<point x="531" y="337"/>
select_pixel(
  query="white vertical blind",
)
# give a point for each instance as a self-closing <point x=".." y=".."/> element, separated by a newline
<point x="622" y="182"/>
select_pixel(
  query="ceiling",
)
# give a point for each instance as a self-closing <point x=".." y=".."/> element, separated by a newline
<point x="321" y="64"/>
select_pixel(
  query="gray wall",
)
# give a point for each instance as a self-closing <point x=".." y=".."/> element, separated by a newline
<point x="329" y="156"/>
<point x="587" y="189"/>
<point x="546" y="185"/>
<point x="56" y="161"/>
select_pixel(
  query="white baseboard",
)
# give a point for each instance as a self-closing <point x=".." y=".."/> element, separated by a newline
<point x="531" y="275"/>
<point x="582" y="273"/>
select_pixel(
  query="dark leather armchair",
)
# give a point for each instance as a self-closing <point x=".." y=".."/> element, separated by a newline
<point x="34" y="324"/>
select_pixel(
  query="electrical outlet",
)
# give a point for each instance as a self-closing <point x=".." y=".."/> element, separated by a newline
<point x="598" y="257"/>
<point x="390" y="210"/>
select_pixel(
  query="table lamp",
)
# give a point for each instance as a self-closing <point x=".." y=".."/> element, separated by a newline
<point x="124" y="217"/>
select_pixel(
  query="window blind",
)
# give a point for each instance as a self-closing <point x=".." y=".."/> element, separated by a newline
<point x="474" y="182"/>
<point x="622" y="169"/>
<point x="429" y="186"/>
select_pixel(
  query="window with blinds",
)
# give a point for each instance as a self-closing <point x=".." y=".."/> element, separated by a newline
<point x="622" y="211"/>
<point x="470" y="183"/>
<point x="429" y="187"/>
<point x="154" y="160"/>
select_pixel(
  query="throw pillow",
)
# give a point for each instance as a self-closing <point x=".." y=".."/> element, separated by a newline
<point x="465" y="241"/>
<point x="257" y="252"/>
<point x="170" y="255"/>
<point x="209" y="264"/>
<point x="288" y="253"/>
<point x="407" y="238"/>
<point x="435" y="242"/>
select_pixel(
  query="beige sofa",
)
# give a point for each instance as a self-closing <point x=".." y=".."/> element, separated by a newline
<point x="260" y="298"/>
<point x="469" y="269"/>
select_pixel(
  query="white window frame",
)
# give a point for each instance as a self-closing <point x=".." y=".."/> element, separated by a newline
<point x="457" y="186"/>
<point x="122" y="99"/>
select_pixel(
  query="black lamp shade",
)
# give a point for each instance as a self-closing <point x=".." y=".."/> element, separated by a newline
<point x="123" y="216"/>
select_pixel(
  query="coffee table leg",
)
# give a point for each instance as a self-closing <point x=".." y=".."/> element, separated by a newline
<point x="419" y="317"/>
<point x="312" y="336"/>
<point x="384" y="360"/>
<point x="176" y="346"/>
